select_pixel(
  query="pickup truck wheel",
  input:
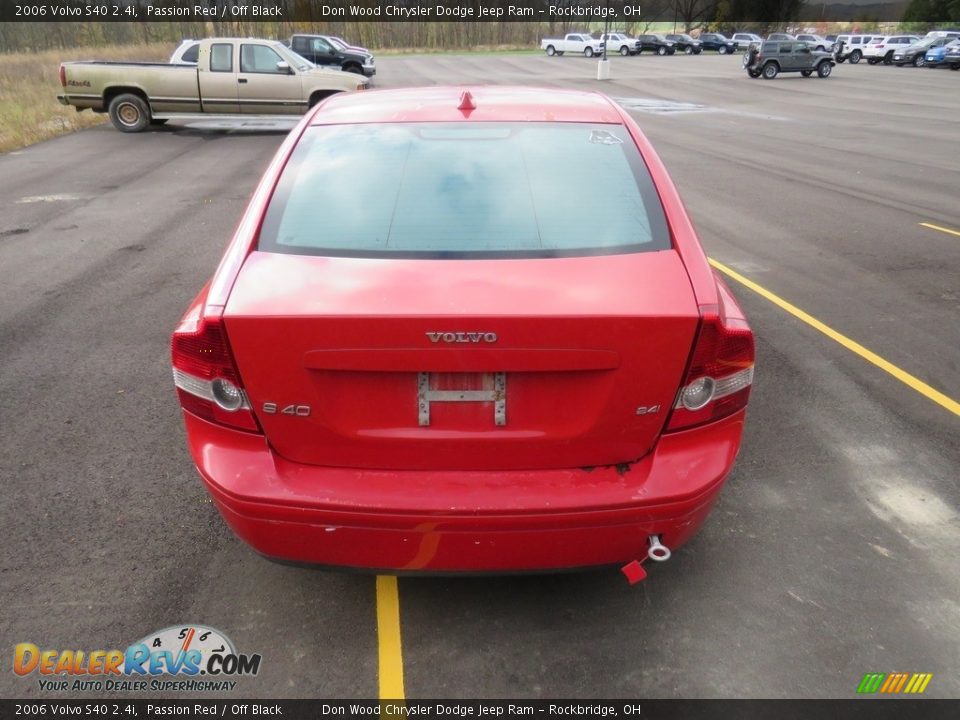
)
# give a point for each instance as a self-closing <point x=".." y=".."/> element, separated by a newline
<point x="129" y="113"/>
<point x="919" y="60"/>
<point x="588" y="52"/>
<point x="551" y="50"/>
<point x="824" y="69"/>
<point x="624" y="50"/>
<point x="770" y="71"/>
<point x="806" y="73"/>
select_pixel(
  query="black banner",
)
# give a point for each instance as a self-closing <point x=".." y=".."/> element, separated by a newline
<point x="854" y="709"/>
<point x="499" y="11"/>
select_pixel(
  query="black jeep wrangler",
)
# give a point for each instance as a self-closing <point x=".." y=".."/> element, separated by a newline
<point x="773" y="57"/>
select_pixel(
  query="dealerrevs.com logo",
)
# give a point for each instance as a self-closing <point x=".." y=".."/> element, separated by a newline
<point x="184" y="658"/>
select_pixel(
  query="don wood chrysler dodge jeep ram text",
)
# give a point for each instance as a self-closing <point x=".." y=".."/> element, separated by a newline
<point x="460" y="369"/>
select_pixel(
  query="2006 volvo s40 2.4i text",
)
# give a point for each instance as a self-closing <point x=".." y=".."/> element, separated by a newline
<point x="504" y="350"/>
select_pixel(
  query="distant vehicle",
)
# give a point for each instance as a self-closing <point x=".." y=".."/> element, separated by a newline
<point x="743" y="40"/>
<point x="322" y="52"/>
<point x="937" y="56"/>
<point x="572" y="43"/>
<point x="718" y="42"/>
<point x="916" y="54"/>
<point x="344" y="45"/>
<point x="831" y="38"/>
<point x="815" y="42"/>
<point x="620" y="43"/>
<point x="780" y="36"/>
<point x="882" y="49"/>
<point x="685" y="44"/>
<point x="952" y="34"/>
<point x="850" y="47"/>
<point x="657" y="43"/>
<point x="233" y="76"/>
<point x="952" y="58"/>
<point x="772" y="58"/>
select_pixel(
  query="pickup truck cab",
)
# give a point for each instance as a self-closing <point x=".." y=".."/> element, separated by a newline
<point x="572" y="43"/>
<point x="321" y="51"/>
<point x="240" y="77"/>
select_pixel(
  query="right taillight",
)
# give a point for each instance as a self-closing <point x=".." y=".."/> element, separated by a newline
<point x="63" y="76"/>
<point x="718" y="381"/>
<point x="207" y="380"/>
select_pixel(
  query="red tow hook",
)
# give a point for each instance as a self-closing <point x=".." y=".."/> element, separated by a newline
<point x="657" y="551"/>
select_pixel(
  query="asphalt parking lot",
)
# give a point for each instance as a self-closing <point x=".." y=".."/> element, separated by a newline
<point x="833" y="549"/>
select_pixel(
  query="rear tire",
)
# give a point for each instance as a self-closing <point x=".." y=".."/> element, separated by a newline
<point x="855" y="56"/>
<point x="872" y="61"/>
<point x="753" y="73"/>
<point x="588" y="52"/>
<point x="824" y="69"/>
<point x="551" y="50"/>
<point x="770" y="71"/>
<point x="129" y="113"/>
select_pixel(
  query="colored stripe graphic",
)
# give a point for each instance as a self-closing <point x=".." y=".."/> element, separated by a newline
<point x="894" y="683"/>
<point x="871" y="682"/>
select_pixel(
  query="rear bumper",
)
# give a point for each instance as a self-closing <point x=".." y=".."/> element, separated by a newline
<point x="469" y="521"/>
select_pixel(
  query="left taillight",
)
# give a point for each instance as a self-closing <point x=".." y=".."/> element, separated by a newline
<point x="205" y="374"/>
<point x="718" y="381"/>
<point x="63" y="76"/>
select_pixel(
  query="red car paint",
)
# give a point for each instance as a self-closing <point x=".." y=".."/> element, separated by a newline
<point x="577" y="476"/>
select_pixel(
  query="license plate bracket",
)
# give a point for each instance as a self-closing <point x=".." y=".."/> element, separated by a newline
<point x="427" y="395"/>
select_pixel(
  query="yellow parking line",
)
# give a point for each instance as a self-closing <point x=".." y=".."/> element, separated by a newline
<point x="902" y="375"/>
<point x="390" y="668"/>
<point x="941" y="229"/>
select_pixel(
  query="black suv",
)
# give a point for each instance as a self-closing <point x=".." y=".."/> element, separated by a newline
<point x="685" y="43"/>
<point x="718" y="42"/>
<point x="657" y="43"/>
<point x="772" y="58"/>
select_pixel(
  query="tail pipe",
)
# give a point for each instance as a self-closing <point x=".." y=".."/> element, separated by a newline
<point x="656" y="551"/>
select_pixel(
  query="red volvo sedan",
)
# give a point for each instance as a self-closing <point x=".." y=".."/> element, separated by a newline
<point x="464" y="330"/>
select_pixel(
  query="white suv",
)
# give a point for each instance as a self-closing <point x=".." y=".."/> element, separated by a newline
<point x="850" y="47"/>
<point x="881" y="49"/>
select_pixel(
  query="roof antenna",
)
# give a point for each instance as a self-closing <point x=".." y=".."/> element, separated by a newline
<point x="466" y="102"/>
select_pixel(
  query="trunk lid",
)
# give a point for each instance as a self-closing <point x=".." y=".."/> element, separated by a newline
<point x="462" y="364"/>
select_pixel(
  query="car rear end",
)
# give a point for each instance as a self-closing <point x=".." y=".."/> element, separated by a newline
<point x="459" y="369"/>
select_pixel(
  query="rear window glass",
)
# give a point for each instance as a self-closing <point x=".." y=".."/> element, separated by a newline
<point x="462" y="190"/>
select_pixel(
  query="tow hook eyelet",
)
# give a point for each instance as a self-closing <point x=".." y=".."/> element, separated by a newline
<point x="657" y="551"/>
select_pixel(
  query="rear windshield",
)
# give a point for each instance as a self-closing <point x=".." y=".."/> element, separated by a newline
<point x="465" y="190"/>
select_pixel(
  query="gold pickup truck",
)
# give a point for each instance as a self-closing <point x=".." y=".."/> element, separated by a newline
<point x="234" y="78"/>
